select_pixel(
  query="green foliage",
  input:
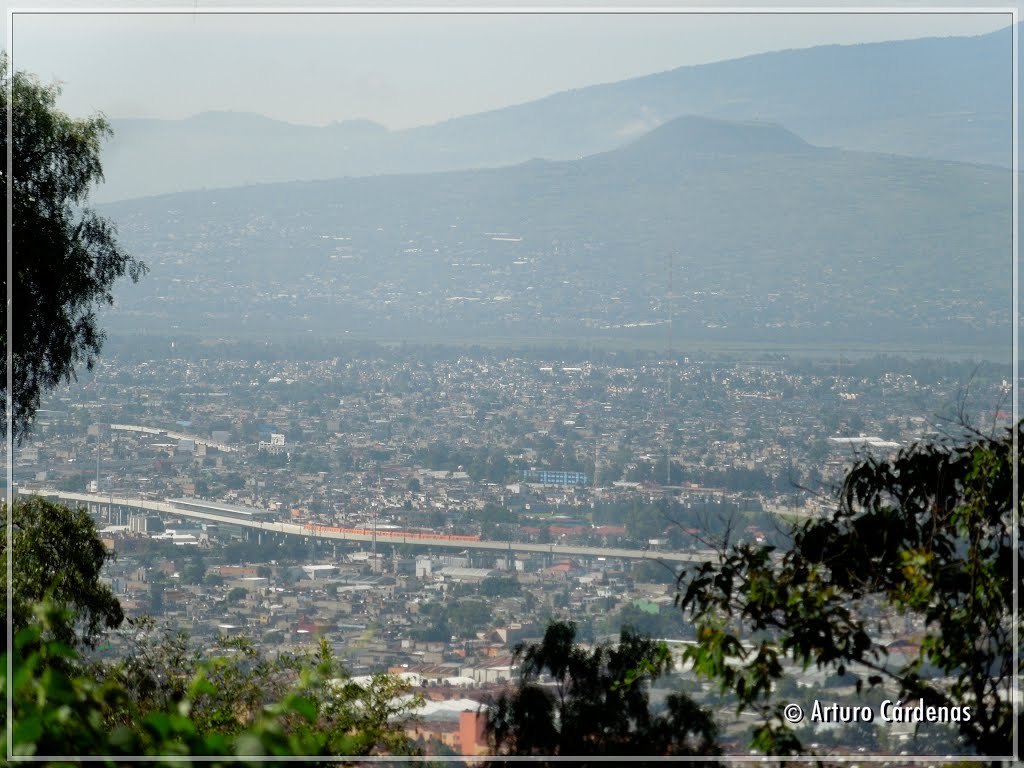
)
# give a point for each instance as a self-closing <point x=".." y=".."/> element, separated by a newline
<point x="926" y="535"/>
<point x="492" y="586"/>
<point x="269" y="460"/>
<point x="480" y="463"/>
<point x="58" y="555"/>
<point x="500" y="586"/>
<point x="467" y="617"/>
<point x="66" y="257"/>
<point x="664" y="622"/>
<point x="168" y="700"/>
<point x="651" y="571"/>
<point x="599" y="703"/>
<point x="495" y="513"/>
<point x="193" y="573"/>
<point x="646" y="522"/>
<point x="462" y="618"/>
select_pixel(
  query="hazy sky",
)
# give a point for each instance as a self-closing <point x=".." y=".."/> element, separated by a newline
<point x="399" y="69"/>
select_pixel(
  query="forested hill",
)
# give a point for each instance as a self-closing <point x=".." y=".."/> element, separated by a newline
<point x="767" y="237"/>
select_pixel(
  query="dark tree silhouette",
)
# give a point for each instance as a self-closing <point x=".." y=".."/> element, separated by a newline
<point x="65" y="257"/>
<point x="597" y="703"/>
<point x="58" y="555"/>
<point x="926" y="537"/>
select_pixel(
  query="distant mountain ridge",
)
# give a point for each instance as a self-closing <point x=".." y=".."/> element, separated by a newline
<point x="946" y="98"/>
<point x="768" y="239"/>
<point x="693" y="134"/>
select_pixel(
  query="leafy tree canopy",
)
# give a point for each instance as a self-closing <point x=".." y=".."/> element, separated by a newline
<point x="58" y="555"/>
<point x="65" y="256"/>
<point x="925" y="538"/>
<point x="168" y="699"/>
<point x="598" y="704"/>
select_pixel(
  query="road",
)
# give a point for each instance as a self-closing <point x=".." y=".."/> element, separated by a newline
<point x="382" y="537"/>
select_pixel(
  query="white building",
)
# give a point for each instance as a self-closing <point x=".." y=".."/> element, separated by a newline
<point x="276" y="444"/>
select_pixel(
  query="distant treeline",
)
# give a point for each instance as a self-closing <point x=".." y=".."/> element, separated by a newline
<point x="925" y="370"/>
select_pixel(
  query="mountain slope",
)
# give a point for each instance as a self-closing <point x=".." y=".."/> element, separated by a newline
<point x="768" y="239"/>
<point x="946" y="98"/>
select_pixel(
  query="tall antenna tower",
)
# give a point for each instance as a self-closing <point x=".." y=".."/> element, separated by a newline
<point x="840" y="364"/>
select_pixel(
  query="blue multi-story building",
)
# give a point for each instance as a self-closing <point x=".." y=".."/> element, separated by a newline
<point x="551" y="477"/>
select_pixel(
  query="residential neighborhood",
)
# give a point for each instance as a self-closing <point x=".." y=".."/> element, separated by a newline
<point x="604" y="453"/>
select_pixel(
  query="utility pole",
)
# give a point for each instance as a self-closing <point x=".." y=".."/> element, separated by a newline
<point x="668" y="369"/>
<point x="380" y="493"/>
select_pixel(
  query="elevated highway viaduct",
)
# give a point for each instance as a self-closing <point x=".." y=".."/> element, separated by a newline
<point x="223" y="514"/>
